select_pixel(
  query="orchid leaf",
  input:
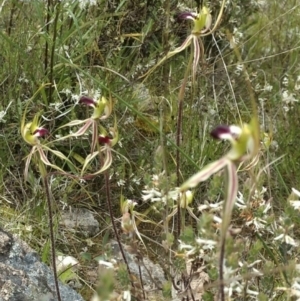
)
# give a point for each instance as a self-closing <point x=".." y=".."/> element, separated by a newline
<point x="78" y="158"/>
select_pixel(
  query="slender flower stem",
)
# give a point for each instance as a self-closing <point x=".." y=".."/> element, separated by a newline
<point x="53" y="51"/>
<point x="221" y="270"/>
<point x="107" y="192"/>
<point x="49" y="3"/>
<point x="50" y="217"/>
<point x="179" y="134"/>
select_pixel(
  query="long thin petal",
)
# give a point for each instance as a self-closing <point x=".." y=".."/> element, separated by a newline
<point x="232" y="191"/>
<point x="94" y="135"/>
<point x="196" y="56"/>
<point x="204" y="174"/>
<point x="45" y="160"/>
<point x="106" y="165"/>
<point x="183" y="46"/>
<point x="80" y="132"/>
<point x="88" y="160"/>
<point x="57" y="154"/>
<point x="84" y="128"/>
<point x="28" y="160"/>
<point x="43" y="156"/>
<point x="74" y="122"/>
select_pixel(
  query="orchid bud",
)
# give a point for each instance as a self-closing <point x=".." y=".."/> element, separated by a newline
<point x="126" y="223"/>
<point x="186" y="198"/>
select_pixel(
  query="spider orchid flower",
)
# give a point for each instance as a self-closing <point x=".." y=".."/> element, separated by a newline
<point x="244" y="146"/>
<point x="102" y="109"/>
<point x="106" y="144"/>
<point x="31" y="132"/>
<point x="201" y="27"/>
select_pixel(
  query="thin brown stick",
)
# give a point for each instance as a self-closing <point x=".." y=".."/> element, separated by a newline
<point x="52" y="239"/>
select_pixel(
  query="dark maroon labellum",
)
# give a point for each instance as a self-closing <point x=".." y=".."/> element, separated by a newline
<point x="185" y="15"/>
<point x="87" y="101"/>
<point x="41" y="132"/>
<point x="104" y="140"/>
<point x="219" y="131"/>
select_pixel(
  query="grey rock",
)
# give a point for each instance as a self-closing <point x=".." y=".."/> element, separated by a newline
<point x="152" y="273"/>
<point x="23" y="277"/>
<point x="81" y="221"/>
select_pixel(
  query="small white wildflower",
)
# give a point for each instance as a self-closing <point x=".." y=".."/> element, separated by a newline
<point x="291" y="241"/>
<point x="286" y="108"/>
<point x="151" y="195"/>
<point x="129" y="120"/>
<point x="126" y="296"/>
<point x="296" y="192"/>
<point x="268" y="87"/>
<point x="212" y="207"/>
<point x="106" y="264"/>
<point x="121" y="183"/>
<point x="75" y="98"/>
<point x="296" y="287"/>
<point x="285" y="81"/>
<point x="217" y="219"/>
<point x="82" y="181"/>
<point x="297" y="84"/>
<point x="288" y="98"/>
<point x="258" y="224"/>
<point x="86" y="3"/>
<point x="137" y="181"/>
<point x="56" y="105"/>
<point x="208" y="244"/>
<point x="120" y="142"/>
<point x="66" y="91"/>
<point x="3" y="113"/>
<point x="295" y="204"/>
<point x="183" y="246"/>
<point x="232" y="285"/>
<point x="252" y="292"/>
<point x="259" y="194"/>
<point x="287" y="239"/>
<point x="240" y="202"/>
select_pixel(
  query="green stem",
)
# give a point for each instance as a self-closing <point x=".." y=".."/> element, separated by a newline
<point x="179" y="133"/>
<point x="53" y="52"/>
